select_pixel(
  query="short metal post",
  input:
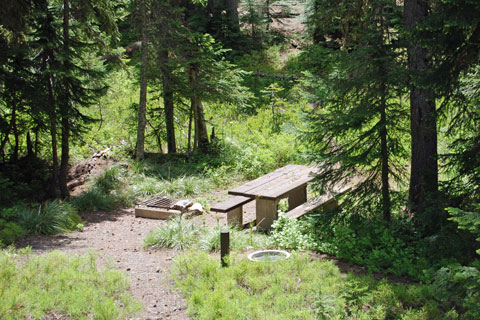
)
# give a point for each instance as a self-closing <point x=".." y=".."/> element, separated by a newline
<point x="224" y="246"/>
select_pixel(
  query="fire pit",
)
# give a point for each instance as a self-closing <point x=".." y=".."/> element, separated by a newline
<point x="269" y="255"/>
<point x="157" y="208"/>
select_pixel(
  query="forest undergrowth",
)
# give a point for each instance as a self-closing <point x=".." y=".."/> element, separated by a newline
<point x="226" y="95"/>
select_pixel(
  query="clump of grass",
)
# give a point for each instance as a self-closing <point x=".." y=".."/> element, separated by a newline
<point x="182" y="234"/>
<point x="296" y="288"/>
<point x="177" y="233"/>
<point x="49" y="218"/>
<point x="107" y="192"/>
<point x="142" y="186"/>
<point x="209" y="240"/>
<point x="93" y="200"/>
<point x="70" y="286"/>
<point x="111" y="180"/>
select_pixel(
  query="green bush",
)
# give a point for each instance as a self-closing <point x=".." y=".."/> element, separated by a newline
<point x="50" y="218"/>
<point x="25" y="179"/>
<point x="9" y="232"/>
<point x="182" y="234"/>
<point x="458" y="287"/>
<point x="68" y="286"/>
<point x="110" y="180"/>
<point x="297" y="288"/>
<point x="7" y="190"/>
<point x="93" y="200"/>
<point x="467" y="220"/>
<point x="381" y="247"/>
<point x="289" y="233"/>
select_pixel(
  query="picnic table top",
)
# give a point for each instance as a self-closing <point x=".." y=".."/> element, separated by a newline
<point x="277" y="183"/>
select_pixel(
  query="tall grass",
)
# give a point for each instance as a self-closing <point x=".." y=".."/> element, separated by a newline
<point x="49" y="218"/>
<point x="107" y="192"/>
<point x="296" y="288"/>
<point x="61" y="286"/>
<point x="184" y="234"/>
<point x="177" y="233"/>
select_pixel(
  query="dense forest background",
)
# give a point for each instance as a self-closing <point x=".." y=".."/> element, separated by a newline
<point x="194" y="94"/>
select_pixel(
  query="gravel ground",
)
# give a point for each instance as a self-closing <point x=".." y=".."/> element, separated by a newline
<point x="117" y="237"/>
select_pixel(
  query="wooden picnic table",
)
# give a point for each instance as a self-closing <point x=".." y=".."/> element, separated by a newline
<point x="286" y="182"/>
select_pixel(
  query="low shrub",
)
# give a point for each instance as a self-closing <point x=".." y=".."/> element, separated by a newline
<point x="57" y="285"/>
<point x="110" y="180"/>
<point x="107" y="192"/>
<point x="10" y="231"/>
<point x="458" y="287"/>
<point x="93" y="200"/>
<point x="289" y="233"/>
<point x="381" y="247"/>
<point x="24" y="179"/>
<point x="296" y="288"/>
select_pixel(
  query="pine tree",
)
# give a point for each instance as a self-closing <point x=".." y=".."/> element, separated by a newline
<point x="444" y="45"/>
<point x="423" y="113"/>
<point x="356" y="129"/>
<point x="71" y="82"/>
<point x="451" y="33"/>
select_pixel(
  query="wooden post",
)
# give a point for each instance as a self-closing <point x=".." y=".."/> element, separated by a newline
<point x="224" y="246"/>
<point x="235" y="216"/>
<point x="297" y="197"/>
<point x="266" y="213"/>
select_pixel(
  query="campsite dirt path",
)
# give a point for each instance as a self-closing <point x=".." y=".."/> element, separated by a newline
<point x="117" y="237"/>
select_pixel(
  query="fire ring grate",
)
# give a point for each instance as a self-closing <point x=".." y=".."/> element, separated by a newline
<point x="159" y="202"/>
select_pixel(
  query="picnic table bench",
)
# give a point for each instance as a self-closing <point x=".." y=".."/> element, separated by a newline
<point x="233" y="207"/>
<point x="287" y="182"/>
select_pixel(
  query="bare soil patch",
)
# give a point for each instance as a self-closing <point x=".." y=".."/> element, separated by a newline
<point x="117" y="237"/>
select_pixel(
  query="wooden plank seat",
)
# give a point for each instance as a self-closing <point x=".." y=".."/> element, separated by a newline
<point x="325" y="201"/>
<point x="233" y="207"/>
<point x="322" y="201"/>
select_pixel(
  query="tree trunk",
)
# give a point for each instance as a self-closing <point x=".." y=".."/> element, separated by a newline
<point x="190" y="116"/>
<point x="53" y="134"/>
<point x="168" y="104"/>
<point x="15" y="131"/>
<point x="35" y="152"/>
<point x="201" y="126"/>
<point x="423" y="118"/>
<point x="384" y="155"/>
<point x="142" y="106"/>
<point x="201" y="133"/>
<point x="5" y="139"/>
<point x="232" y="13"/>
<point x="29" y="145"/>
<point x="62" y="177"/>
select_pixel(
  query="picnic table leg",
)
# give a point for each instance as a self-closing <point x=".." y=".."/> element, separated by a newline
<point x="297" y="197"/>
<point x="235" y="216"/>
<point x="266" y="213"/>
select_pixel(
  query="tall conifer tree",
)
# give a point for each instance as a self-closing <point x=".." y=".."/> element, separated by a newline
<point x="356" y="130"/>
